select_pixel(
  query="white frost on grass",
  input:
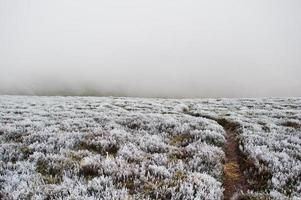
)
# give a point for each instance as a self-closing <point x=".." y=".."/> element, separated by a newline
<point x="270" y="137"/>
<point x="107" y="148"/>
<point x="134" y="148"/>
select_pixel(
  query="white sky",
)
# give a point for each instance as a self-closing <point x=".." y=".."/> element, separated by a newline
<point x="153" y="48"/>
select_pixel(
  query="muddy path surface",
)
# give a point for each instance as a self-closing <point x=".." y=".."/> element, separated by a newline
<point x="235" y="183"/>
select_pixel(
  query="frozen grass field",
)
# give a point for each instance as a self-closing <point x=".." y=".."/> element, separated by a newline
<point x="134" y="148"/>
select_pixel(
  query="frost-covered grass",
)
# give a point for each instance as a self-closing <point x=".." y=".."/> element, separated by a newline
<point x="270" y="139"/>
<point x="131" y="148"/>
<point x="107" y="148"/>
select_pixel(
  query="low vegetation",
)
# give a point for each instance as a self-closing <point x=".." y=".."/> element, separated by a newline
<point x="131" y="148"/>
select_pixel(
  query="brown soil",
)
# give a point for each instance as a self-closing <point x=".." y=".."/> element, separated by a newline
<point x="292" y="125"/>
<point x="234" y="180"/>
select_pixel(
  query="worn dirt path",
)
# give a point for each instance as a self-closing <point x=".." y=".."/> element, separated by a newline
<point x="234" y="180"/>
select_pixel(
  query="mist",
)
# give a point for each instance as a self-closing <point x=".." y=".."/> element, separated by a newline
<point x="158" y="48"/>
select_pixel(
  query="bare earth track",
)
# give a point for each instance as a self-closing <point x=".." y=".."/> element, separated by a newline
<point x="234" y="179"/>
<point x="234" y="183"/>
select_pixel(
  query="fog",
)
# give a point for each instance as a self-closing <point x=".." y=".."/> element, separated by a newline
<point x="151" y="48"/>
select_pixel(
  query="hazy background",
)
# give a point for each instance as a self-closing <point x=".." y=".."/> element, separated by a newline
<point x="152" y="48"/>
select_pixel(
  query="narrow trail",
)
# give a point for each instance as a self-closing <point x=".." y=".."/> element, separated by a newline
<point x="234" y="182"/>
